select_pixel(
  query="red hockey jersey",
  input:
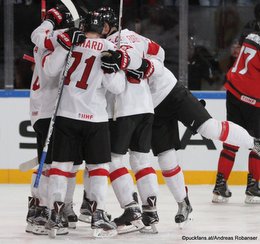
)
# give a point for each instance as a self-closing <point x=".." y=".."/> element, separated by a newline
<point x="243" y="79"/>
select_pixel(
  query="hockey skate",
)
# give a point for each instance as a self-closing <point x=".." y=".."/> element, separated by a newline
<point x="32" y="203"/>
<point x="252" y="191"/>
<point x="256" y="147"/>
<point x="183" y="215"/>
<point x="221" y="192"/>
<point x="40" y="219"/>
<point x="70" y="216"/>
<point x="54" y="224"/>
<point x="87" y="208"/>
<point x="101" y="225"/>
<point x="130" y="220"/>
<point x="150" y="216"/>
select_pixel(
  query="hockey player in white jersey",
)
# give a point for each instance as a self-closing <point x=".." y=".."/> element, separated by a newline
<point x="174" y="102"/>
<point x="42" y="99"/>
<point x="81" y="129"/>
<point x="132" y="130"/>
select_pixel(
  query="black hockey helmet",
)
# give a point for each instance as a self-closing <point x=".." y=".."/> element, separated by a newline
<point x="94" y="22"/>
<point x="109" y="16"/>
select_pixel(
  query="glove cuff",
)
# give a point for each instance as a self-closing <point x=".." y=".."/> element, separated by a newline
<point x="125" y="59"/>
<point x="149" y="70"/>
<point x="64" y="40"/>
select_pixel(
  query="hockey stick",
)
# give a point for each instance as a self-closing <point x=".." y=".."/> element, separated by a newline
<point x="118" y="47"/>
<point x="120" y="23"/>
<point x="70" y="6"/>
<point x="43" y="9"/>
<point x="25" y="166"/>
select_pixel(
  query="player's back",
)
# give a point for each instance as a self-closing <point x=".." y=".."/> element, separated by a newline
<point x="83" y="96"/>
<point x="244" y="75"/>
<point x="44" y="89"/>
<point x="136" y="99"/>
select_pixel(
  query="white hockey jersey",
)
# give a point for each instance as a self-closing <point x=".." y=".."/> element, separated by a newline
<point x="161" y="85"/>
<point x="136" y="99"/>
<point x="43" y="92"/>
<point x="83" y="96"/>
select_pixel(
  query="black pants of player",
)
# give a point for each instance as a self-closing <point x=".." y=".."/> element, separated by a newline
<point x="243" y="114"/>
<point x="179" y="105"/>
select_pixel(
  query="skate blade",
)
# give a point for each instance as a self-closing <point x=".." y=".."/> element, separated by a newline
<point x="39" y="230"/>
<point x="52" y="233"/>
<point x="149" y="229"/>
<point x="85" y="218"/>
<point x="100" y="233"/>
<point x="72" y="225"/>
<point x="252" y="199"/>
<point x="29" y="228"/>
<point x="187" y="221"/>
<point x="219" y="199"/>
<point x="62" y="231"/>
<point x="135" y="225"/>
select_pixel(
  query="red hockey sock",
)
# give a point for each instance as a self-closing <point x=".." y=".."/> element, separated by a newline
<point x="254" y="165"/>
<point x="227" y="159"/>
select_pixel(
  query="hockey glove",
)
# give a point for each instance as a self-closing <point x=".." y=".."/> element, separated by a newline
<point x="71" y="37"/>
<point x="54" y="16"/>
<point x="112" y="61"/>
<point x="145" y="71"/>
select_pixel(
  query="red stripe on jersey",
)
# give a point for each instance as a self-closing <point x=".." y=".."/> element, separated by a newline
<point x="98" y="172"/>
<point x="224" y="131"/>
<point x="48" y="44"/>
<point x="171" y="172"/>
<point x="118" y="173"/>
<point x="56" y="171"/>
<point x="153" y="48"/>
<point x="44" y="59"/>
<point x="144" y="172"/>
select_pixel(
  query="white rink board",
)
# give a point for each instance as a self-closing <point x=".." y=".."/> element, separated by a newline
<point x="14" y="136"/>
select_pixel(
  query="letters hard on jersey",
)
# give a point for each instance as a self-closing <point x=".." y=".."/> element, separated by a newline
<point x="243" y="77"/>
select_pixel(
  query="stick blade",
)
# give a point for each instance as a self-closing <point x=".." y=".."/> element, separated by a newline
<point x="25" y="166"/>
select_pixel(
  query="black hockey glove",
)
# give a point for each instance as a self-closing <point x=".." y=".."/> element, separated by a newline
<point x="145" y="71"/>
<point x="112" y="61"/>
<point x="71" y="37"/>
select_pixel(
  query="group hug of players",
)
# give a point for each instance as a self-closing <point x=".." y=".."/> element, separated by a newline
<point x="116" y="99"/>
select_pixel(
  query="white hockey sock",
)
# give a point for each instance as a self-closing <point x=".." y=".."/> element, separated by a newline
<point x="34" y="191"/>
<point x="146" y="178"/>
<point x="98" y="183"/>
<point x="86" y="181"/>
<point x="71" y="184"/>
<point x="43" y="186"/>
<point x="172" y="174"/>
<point x="226" y="131"/>
<point x="121" y="180"/>
<point x="58" y="180"/>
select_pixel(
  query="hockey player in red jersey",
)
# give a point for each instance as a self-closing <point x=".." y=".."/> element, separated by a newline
<point x="81" y="129"/>
<point x="172" y="102"/>
<point x="43" y="93"/>
<point x="243" y="108"/>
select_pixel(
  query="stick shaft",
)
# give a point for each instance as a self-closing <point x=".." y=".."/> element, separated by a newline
<point x="43" y="9"/>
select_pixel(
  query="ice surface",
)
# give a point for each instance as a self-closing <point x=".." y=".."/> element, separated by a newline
<point x="209" y="220"/>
